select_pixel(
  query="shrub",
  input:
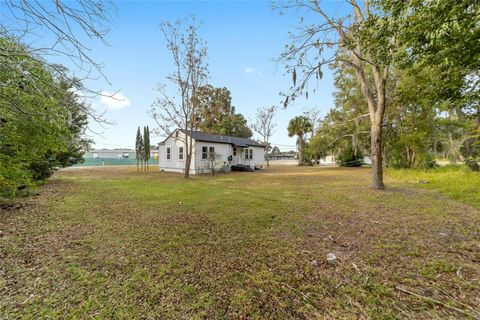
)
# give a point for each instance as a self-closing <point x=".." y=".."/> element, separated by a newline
<point x="12" y="175"/>
<point x="428" y="162"/>
<point x="7" y="188"/>
<point x="40" y="170"/>
<point x="472" y="164"/>
<point x="347" y="158"/>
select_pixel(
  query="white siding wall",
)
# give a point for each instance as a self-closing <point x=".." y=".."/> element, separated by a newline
<point x="174" y="164"/>
<point x="222" y="152"/>
<point x="258" y="157"/>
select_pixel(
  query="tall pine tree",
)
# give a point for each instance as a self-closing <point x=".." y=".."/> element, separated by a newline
<point x="138" y="147"/>
<point x="146" y="140"/>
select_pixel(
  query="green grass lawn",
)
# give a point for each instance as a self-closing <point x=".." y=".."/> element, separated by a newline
<point x="457" y="182"/>
<point x="111" y="243"/>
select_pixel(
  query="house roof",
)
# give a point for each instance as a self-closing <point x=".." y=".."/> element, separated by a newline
<point x="218" y="138"/>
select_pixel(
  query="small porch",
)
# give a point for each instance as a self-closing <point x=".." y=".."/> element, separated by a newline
<point x="242" y="155"/>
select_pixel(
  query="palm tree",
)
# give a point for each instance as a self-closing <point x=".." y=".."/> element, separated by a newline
<point x="299" y="126"/>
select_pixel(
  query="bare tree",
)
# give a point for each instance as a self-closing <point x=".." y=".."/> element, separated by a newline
<point x="353" y="40"/>
<point x="189" y="54"/>
<point x="313" y="115"/>
<point x="264" y="126"/>
<point x="63" y="22"/>
<point x="41" y="29"/>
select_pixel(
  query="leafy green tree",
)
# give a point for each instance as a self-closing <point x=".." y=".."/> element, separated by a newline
<point x="409" y="127"/>
<point x="346" y="126"/>
<point x="215" y="113"/>
<point x="298" y="126"/>
<point x="41" y="123"/>
<point x="440" y="40"/>
<point x="362" y="40"/>
<point x="348" y="158"/>
<point x="77" y="123"/>
<point x="238" y="127"/>
<point x="319" y="147"/>
<point x="411" y="122"/>
<point x="42" y="118"/>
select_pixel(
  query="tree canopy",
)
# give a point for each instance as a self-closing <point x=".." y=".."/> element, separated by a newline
<point x="216" y="114"/>
<point x="415" y="62"/>
<point x="298" y="126"/>
<point x="42" y="124"/>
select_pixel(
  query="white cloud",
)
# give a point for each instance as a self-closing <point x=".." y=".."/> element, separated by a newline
<point x="250" y="70"/>
<point x="114" y="101"/>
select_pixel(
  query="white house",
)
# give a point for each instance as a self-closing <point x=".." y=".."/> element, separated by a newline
<point x="210" y="151"/>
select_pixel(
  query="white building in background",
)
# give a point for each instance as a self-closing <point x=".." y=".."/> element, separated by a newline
<point x="210" y="152"/>
<point x="331" y="161"/>
<point x="110" y="154"/>
<point x="328" y="161"/>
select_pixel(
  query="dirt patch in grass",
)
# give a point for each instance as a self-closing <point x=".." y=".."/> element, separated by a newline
<point x="116" y="243"/>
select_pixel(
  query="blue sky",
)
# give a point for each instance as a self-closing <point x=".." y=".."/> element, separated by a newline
<point x="243" y="38"/>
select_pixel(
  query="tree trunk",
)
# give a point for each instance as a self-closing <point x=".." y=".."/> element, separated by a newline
<point x="300" y="150"/>
<point x="188" y="149"/>
<point x="187" y="166"/>
<point x="188" y="160"/>
<point x="266" y="157"/>
<point x="356" y="148"/>
<point x="355" y="145"/>
<point x="376" y="154"/>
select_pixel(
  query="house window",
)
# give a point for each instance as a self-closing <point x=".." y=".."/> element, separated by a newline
<point x="248" y="154"/>
<point x="211" y="153"/>
<point x="180" y="153"/>
<point x="234" y="151"/>
<point x="176" y="134"/>
<point x="204" y="153"/>
<point x="168" y="153"/>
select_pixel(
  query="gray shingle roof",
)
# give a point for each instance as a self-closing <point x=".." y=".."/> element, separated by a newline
<point x="218" y="138"/>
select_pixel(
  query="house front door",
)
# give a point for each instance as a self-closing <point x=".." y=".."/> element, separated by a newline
<point x="246" y="155"/>
<point x="237" y="155"/>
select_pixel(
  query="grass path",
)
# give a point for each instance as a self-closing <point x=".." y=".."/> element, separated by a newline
<point x="114" y="243"/>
